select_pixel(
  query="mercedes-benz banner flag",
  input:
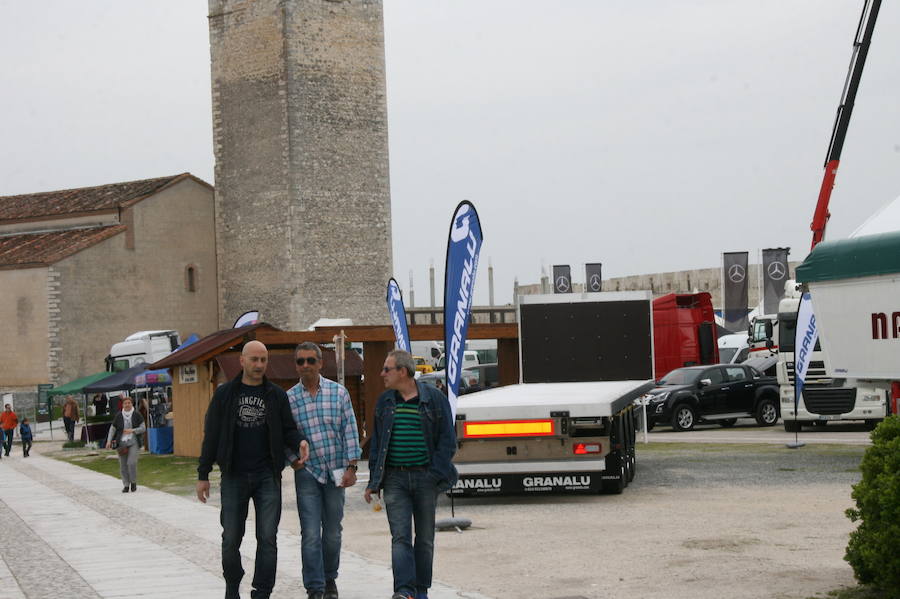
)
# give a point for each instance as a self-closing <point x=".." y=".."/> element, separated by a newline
<point x="562" y="278"/>
<point x="775" y="274"/>
<point x="398" y="315"/>
<point x="593" y="281"/>
<point x="463" y="249"/>
<point x="734" y="291"/>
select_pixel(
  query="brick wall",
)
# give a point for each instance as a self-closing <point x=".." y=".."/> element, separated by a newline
<point x="108" y="291"/>
<point x="300" y="138"/>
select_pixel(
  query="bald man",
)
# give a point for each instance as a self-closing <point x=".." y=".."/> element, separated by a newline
<point x="248" y="426"/>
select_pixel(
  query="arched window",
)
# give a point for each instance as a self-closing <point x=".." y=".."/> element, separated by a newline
<point x="190" y="278"/>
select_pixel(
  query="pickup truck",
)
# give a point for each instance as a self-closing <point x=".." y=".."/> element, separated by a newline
<point x="721" y="394"/>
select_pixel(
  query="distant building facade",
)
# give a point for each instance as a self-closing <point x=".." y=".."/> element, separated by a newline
<point x="301" y="148"/>
<point x="81" y="269"/>
<point x="683" y="281"/>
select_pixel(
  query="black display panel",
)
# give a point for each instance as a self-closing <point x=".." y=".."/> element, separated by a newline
<point x="586" y="341"/>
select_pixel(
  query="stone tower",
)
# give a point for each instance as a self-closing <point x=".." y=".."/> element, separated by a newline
<point x="303" y="213"/>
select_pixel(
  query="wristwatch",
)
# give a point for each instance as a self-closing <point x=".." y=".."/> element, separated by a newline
<point x="353" y="467"/>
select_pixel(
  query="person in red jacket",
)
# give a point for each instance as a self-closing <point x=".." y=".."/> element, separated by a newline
<point x="8" y="422"/>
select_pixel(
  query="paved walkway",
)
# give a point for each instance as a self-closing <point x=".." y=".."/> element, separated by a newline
<point x="66" y="531"/>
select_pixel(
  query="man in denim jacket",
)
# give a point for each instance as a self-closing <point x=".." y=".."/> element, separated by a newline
<point x="410" y="455"/>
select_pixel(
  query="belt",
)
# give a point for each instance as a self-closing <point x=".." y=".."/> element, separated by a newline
<point x="408" y="468"/>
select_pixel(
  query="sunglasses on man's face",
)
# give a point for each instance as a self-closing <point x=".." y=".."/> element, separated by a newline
<point x="310" y="361"/>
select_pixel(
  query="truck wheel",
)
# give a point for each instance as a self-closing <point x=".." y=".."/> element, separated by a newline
<point x="767" y="412"/>
<point x="615" y="468"/>
<point x="871" y="424"/>
<point x="792" y="426"/>
<point x="728" y="422"/>
<point x="683" y="418"/>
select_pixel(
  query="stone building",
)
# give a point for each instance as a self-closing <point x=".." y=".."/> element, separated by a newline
<point x="81" y="269"/>
<point x="301" y="148"/>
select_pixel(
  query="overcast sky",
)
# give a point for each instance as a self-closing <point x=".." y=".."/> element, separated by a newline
<point x="649" y="136"/>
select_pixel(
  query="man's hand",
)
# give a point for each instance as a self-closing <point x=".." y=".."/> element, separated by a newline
<point x="298" y="464"/>
<point x="349" y="478"/>
<point x="303" y="453"/>
<point x="368" y="495"/>
<point x="202" y="490"/>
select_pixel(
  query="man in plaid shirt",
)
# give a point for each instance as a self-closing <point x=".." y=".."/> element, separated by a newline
<point x="324" y="414"/>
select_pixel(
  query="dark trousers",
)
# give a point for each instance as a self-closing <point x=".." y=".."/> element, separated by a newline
<point x="26" y="447"/>
<point x="70" y="428"/>
<point x="7" y="440"/>
<point x="237" y="491"/>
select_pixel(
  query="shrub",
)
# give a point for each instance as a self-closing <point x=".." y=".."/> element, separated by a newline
<point x="874" y="547"/>
<point x="73" y="444"/>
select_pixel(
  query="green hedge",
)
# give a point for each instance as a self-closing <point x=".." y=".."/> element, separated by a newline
<point x="874" y="547"/>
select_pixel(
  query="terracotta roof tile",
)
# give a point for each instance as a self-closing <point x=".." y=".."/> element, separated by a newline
<point x="40" y="249"/>
<point x="84" y="199"/>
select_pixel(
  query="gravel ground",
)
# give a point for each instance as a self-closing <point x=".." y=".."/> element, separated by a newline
<point x="699" y="521"/>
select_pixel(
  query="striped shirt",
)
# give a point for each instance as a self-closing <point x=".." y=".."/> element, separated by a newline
<point x="407" y="444"/>
<point x="328" y="423"/>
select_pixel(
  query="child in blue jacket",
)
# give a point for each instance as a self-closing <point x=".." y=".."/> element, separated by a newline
<point x="25" y="433"/>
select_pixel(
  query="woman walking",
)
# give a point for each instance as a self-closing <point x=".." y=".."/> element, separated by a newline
<point x="125" y="437"/>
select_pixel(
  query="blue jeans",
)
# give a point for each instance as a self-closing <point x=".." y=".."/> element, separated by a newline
<point x="8" y="439"/>
<point x="237" y="491"/>
<point x="410" y="498"/>
<point x="321" y="509"/>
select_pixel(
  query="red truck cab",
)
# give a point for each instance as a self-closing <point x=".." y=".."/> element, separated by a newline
<point x="684" y="332"/>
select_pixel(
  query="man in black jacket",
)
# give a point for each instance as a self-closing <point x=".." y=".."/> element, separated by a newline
<point x="248" y="426"/>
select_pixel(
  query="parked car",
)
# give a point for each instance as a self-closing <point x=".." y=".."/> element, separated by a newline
<point x="422" y="365"/>
<point x="487" y="375"/>
<point x="721" y="393"/>
<point x="433" y="378"/>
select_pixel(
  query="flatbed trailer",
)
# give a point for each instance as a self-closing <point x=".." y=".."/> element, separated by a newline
<point x="547" y="438"/>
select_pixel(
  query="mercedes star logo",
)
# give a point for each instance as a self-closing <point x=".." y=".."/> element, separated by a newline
<point x="776" y="271"/>
<point x="562" y="284"/>
<point x="595" y="282"/>
<point x="736" y="273"/>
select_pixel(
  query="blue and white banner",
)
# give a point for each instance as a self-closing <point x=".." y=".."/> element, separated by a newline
<point x="463" y="248"/>
<point x="398" y="315"/>
<point x="251" y="317"/>
<point x="804" y="342"/>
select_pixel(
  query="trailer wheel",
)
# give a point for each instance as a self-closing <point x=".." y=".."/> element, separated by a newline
<point x="792" y="426"/>
<point x="767" y="412"/>
<point x="684" y="417"/>
<point x="728" y="422"/>
<point x="615" y="467"/>
<point x="631" y="452"/>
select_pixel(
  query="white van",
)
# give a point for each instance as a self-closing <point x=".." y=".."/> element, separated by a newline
<point x="470" y="358"/>
<point x="734" y="349"/>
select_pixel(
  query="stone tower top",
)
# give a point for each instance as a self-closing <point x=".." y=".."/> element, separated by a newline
<point x="300" y="133"/>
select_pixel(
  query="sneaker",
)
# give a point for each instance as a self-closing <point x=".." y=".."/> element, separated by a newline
<point x="401" y="596"/>
<point x="331" y="591"/>
<point x="133" y="487"/>
<point x="125" y="489"/>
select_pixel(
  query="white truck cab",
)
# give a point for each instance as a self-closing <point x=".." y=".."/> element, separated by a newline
<point x="142" y="347"/>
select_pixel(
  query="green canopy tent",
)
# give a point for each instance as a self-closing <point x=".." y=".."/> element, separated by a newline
<point x="77" y="387"/>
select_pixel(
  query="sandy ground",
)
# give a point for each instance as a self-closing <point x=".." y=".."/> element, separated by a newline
<point x="694" y="524"/>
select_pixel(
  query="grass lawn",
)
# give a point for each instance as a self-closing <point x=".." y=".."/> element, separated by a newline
<point x="172" y="474"/>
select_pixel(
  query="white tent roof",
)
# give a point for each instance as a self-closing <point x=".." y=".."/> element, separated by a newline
<point x="885" y="220"/>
